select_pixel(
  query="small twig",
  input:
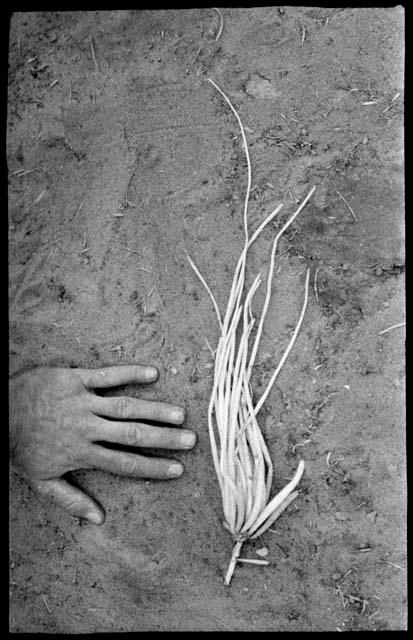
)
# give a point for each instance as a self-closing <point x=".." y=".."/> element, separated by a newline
<point x="143" y="268"/>
<point x="349" y="208"/>
<point x="22" y="172"/>
<point x="128" y="203"/>
<point x="221" y="26"/>
<point x="93" y="55"/>
<point x="300" y="444"/>
<point x="354" y="598"/>
<point x="394" y="326"/>
<point x="393" y="100"/>
<point x="210" y="348"/>
<point x="78" y="209"/>
<point x="374" y="614"/>
<point x="194" y="59"/>
<point x="196" y="55"/>
<point x="327" y="113"/>
<point x="235" y="555"/>
<point x="39" y="197"/>
<point x="303" y="35"/>
<point x="341" y="594"/>
<point x="346" y="574"/>
<point x="315" y="284"/>
<point x="46" y="604"/>
<point x="151" y="291"/>
<point x="253" y="561"/>
<point x="42" y="67"/>
<point x="394" y="565"/>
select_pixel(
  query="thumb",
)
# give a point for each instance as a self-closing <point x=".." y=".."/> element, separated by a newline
<point x="71" y="499"/>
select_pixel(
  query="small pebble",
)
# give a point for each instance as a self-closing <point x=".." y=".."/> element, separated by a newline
<point x="337" y="576"/>
<point x="386" y="304"/>
<point x="174" y="371"/>
<point x="262" y="552"/>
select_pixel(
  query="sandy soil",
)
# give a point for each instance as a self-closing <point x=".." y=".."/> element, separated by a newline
<point x="121" y="164"/>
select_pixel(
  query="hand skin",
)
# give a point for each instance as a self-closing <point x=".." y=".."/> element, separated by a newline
<point x="57" y="422"/>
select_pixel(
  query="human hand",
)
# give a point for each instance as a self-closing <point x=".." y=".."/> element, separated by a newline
<point x="57" y="423"/>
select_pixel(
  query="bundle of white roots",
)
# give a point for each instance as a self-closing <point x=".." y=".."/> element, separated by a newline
<point x="242" y="462"/>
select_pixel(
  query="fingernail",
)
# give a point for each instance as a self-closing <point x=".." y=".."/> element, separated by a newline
<point x="188" y="438"/>
<point x="151" y="373"/>
<point x="178" y="415"/>
<point x="175" y="469"/>
<point x="94" y="517"/>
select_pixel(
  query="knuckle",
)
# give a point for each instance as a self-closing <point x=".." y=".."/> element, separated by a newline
<point x="156" y="413"/>
<point x="129" y="466"/>
<point x="132" y="434"/>
<point x="124" y="407"/>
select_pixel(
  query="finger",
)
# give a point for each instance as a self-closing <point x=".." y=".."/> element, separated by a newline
<point x="137" y="434"/>
<point x="127" y="408"/>
<point x="71" y="499"/>
<point x="134" y="465"/>
<point x="115" y="376"/>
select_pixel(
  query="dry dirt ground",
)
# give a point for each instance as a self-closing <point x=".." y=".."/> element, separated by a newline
<point x="122" y="158"/>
